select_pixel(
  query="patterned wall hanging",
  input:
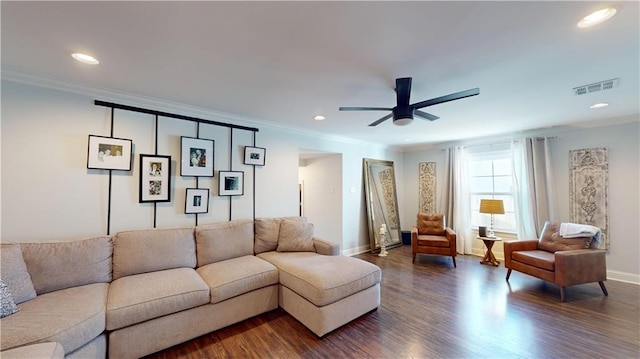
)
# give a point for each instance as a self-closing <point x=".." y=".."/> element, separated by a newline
<point x="427" y="187"/>
<point x="386" y="179"/>
<point x="589" y="189"/>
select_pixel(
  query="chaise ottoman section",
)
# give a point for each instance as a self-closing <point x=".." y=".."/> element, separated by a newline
<point x="325" y="292"/>
<point x="137" y="298"/>
<point x="233" y="277"/>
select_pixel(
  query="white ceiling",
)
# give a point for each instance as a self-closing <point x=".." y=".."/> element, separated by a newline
<point x="284" y="62"/>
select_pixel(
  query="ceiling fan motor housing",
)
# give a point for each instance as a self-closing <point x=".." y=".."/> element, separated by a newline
<point x="402" y="116"/>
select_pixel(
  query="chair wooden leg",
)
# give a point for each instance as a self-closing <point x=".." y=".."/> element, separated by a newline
<point x="604" y="289"/>
<point x="454" y="262"/>
<point x="508" y="274"/>
<point x="414" y="258"/>
<point x="563" y="294"/>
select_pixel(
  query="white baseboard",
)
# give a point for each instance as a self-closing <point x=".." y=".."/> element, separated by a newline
<point x="623" y="277"/>
<point x="357" y="250"/>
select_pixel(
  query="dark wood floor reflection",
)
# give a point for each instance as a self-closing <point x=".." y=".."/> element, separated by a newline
<point x="431" y="310"/>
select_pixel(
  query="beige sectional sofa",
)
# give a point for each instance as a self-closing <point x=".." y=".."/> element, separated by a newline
<point x="142" y="291"/>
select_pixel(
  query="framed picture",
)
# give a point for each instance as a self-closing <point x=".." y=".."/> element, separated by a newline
<point x="196" y="157"/>
<point x="254" y="155"/>
<point x="155" y="178"/>
<point x="231" y="183"/>
<point x="197" y="200"/>
<point x="109" y="153"/>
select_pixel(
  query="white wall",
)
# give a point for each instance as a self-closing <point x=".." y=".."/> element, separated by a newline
<point x="49" y="194"/>
<point x="622" y="141"/>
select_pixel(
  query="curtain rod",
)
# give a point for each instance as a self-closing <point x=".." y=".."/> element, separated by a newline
<point x="172" y="115"/>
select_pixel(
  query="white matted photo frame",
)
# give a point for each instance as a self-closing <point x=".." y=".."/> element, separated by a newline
<point x="109" y="153"/>
<point x="155" y="178"/>
<point x="231" y="183"/>
<point x="196" y="157"/>
<point x="196" y="200"/>
<point x="254" y="155"/>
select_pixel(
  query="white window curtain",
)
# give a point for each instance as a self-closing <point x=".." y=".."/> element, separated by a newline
<point x="533" y="185"/>
<point x="455" y="199"/>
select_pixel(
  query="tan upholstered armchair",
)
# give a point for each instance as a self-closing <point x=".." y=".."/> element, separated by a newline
<point x="562" y="261"/>
<point x="430" y="236"/>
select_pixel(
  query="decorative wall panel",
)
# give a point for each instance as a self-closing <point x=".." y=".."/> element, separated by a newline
<point x="386" y="179"/>
<point x="427" y="187"/>
<point x="589" y="189"/>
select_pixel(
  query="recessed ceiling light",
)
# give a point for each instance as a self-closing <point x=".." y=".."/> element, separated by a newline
<point x="84" y="58"/>
<point x="597" y="17"/>
<point x="599" y="105"/>
<point x="319" y="118"/>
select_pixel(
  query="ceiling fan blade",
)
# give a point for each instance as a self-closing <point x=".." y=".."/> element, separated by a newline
<point x="381" y="120"/>
<point x="425" y="115"/>
<point x="403" y="91"/>
<point x="365" y="109"/>
<point x="447" y="98"/>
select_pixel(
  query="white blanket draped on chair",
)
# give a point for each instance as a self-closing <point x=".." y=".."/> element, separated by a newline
<point x="574" y="230"/>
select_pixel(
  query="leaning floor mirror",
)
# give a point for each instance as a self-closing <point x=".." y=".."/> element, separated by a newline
<point x="382" y="203"/>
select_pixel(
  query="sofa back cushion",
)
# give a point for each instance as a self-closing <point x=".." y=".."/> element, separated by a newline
<point x="295" y="236"/>
<point x="219" y="241"/>
<point x="150" y="250"/>
<point x="432" y="224"/>
<point x="59" y="265"/>
<point x="552" y="241"/>
<point x="14" y="273"/>
<point x="267" y="231"/>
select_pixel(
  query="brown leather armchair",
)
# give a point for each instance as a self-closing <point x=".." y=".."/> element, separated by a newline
<point x="430" y="236"/>
<point x="562" y="261"/>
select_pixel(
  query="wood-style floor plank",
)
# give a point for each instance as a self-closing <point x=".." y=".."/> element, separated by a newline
<point x="432" y="310"/>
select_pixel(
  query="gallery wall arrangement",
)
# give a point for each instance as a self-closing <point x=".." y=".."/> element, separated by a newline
<point x="196" y="160"/>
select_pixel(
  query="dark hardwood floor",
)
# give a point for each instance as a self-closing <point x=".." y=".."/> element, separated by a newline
<point x="431" y="310"/>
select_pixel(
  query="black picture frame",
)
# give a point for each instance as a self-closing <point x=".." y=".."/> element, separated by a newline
<point x="231" y="183"/>
<point x="196" y="200"/>
<point x="155" y="178"/>
<point x="109" y="153"/>
<point x="196" y="157"/>
<point x="254" y="155"/>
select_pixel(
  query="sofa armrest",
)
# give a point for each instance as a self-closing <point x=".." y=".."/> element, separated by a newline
<point x="325" y="247"/>
<point x="580" y="266"/>
<point x="518" y="245"/>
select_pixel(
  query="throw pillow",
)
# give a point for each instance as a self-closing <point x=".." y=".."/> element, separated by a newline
<point x="295" y="236"/>
<point x="267" y="231"/>
<point x="7" y="305"/>
<point x="14" y="273"/>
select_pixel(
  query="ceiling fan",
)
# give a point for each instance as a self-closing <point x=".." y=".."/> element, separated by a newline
<point x="403" y="112"/>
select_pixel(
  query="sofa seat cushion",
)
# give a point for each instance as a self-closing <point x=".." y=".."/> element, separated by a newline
<point x="39" y="351"/>
<point x="433" y="241"/>
<point x="537" y="258"/>
<point x="138" y="298"/>
<point x="323" y="279"/>
<point x="236" y="276"/>
<point x="71" y="317"/>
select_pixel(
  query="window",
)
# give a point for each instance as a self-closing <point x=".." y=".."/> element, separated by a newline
<point x="490" y="177"/>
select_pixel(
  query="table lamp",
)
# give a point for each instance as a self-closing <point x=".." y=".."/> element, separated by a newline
<point x="491" y="206"/>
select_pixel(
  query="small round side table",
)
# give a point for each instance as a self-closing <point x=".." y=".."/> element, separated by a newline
<point x="489" y="258"/>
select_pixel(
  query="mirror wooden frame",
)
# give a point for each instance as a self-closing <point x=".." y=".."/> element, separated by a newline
<point x="382" y="203"/>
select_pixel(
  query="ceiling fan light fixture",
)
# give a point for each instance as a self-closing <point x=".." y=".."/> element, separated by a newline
<point x="402" y="121"/>
<point x="597" y="17"/>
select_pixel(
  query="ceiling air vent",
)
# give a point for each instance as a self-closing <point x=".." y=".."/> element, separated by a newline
<point x="595" y="87"/>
